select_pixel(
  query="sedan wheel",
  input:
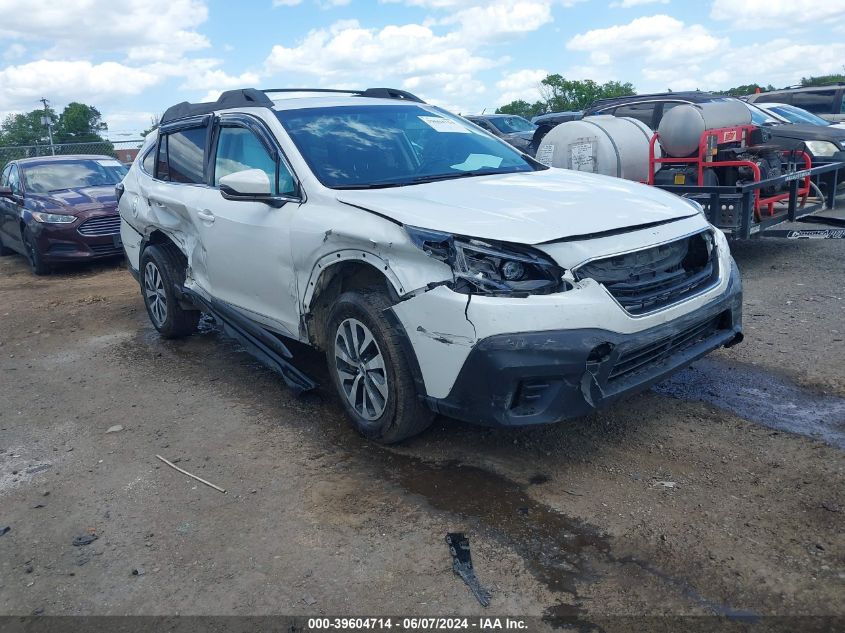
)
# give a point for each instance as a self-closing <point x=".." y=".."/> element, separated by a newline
<point x="360" y="369"/>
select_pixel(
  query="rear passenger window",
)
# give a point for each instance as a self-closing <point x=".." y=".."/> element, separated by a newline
<point x="185" y="155"/>
<point x="816" y="101"/>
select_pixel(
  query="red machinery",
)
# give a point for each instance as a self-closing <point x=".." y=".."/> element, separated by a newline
<point x="714" y="149"/>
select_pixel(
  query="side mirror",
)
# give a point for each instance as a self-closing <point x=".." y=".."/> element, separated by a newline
<point x="6" y="192"/>
<point x="252" y="185"/>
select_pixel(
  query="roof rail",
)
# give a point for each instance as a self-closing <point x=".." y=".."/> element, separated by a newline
<point x="375" y="93"/>
<point x="253" y="98"/>
<point x="246" y="97"/>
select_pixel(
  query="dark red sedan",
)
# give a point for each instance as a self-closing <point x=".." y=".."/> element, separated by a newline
<point x="59" y="209"/>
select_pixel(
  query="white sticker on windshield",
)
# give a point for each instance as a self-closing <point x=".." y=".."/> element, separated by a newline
<point x="108" y="162"/>
<point x="442" y="124"/>
<point x="474" y="162"/>
<point x="545" y="154"/>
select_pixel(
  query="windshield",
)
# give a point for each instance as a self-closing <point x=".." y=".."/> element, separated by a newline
<point x="761" y="117"/>
<point x="55" y="176"/>
<point x="369" y="146"/>
<point x="511" y="124"/>
<point x="797" y="115"/>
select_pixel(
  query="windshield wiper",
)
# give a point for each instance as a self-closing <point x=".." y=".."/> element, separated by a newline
<point x="372" y="185"/>
<point x="460" y="174"/>
<point x="421" y="179"/>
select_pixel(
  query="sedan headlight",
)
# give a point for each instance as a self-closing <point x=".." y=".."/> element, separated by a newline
<point x="821" y="148"/>
<point x="53" y="218"/>
<point x="492" y="268"/>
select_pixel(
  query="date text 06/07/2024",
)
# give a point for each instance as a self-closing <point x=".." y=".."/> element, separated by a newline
<point x="417" y="623"/>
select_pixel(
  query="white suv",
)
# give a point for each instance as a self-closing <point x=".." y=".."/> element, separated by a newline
<point x="441" y="270"/>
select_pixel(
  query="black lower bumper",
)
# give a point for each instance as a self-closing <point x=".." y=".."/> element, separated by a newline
<point x="543" y="377"/>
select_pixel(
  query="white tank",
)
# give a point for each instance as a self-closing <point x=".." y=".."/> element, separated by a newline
<point x="681" y="127"/>
<point x="603" y="144"/>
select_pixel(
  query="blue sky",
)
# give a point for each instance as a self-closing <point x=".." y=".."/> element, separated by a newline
<point x="134" y="58"/>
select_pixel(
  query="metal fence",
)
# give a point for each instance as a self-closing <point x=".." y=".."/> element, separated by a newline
<point x="123" y="151"/>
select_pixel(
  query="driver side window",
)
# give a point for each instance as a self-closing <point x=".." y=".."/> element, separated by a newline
<point x="239" y="149"/>
<point x="4" y="179"/>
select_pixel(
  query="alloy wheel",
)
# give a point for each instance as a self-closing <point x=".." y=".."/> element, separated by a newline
<point x="360" y="369"/>
<point x="154" y="292"/>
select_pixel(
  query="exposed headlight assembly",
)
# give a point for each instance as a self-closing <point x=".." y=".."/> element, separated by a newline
<point x="53" y="218"/>
<point x="491" y="268"/>
<point x="821" y="148"/>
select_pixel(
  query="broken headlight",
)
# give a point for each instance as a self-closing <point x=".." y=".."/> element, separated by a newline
<point x="484" y="267"/>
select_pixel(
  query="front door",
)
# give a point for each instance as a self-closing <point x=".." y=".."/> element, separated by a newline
<point x="247" y="243"/>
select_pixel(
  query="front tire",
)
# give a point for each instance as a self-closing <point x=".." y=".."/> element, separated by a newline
<point x="371" y="373"/>
<point x="33" y="255"/>
<point x="162" y="271"/>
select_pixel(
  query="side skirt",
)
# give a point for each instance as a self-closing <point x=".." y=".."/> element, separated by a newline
<point x="260" y="343"/>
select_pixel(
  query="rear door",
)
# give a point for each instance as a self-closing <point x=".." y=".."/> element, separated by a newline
<point x="179" y="179"/>
<point x="247" y="243"/>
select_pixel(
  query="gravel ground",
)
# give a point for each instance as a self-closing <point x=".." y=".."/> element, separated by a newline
<point x="719" y="492"/>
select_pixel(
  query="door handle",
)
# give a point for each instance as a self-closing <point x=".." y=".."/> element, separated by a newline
<point x="205" y="215"/>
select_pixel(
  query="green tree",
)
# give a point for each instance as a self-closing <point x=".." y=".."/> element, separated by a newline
<point x="561" y="94"/>
<point x="25" y="129"/>
<point x="747" y="89"/>
<point x="154" y="122"/>
<point x="79" y="123"/>
<point x="822" y="80"/>
<point x="522" y="108"/>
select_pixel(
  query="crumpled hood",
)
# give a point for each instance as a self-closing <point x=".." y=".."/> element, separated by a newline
<point x="77" y="200"/>
<point x="527" y="207"/>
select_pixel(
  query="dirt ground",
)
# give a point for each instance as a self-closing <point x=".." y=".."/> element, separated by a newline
<point x="677" y="501"/>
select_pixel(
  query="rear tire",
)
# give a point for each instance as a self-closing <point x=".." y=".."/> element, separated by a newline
<point x="370" y="370"/>
<point x="162" y="271"/>
<point x="33" y="255"/>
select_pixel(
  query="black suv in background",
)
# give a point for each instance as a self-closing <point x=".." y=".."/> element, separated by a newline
<point x="823" y="144"/>
<point x="511" y="128"/>
<point x="828" y="102"/>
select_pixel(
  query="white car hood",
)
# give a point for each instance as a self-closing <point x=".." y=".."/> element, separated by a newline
<point x="526" y="207"/>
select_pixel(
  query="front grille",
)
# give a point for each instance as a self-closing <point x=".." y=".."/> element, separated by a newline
<point x="106" y="249"/>
<point x="650" y="279"/>
<point x="641" y="358"/>
<point x="106" y="225"/>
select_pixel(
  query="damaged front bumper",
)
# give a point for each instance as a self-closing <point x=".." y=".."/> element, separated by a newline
<point x="546" y="376"/>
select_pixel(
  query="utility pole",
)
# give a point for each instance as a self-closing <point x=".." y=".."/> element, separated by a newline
<point x="48" y="121"/>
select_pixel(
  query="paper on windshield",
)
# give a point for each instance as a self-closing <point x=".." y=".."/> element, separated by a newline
<point x="442" y="124"/>
<point x="107" y="162"/>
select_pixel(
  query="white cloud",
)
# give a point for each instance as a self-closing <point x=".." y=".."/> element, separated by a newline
<point x="629" y="4"/>
<point x="142" y="29"/>
<point x="286" y="3"/>
<point x="347" y="52"/>
<point x="658" y="37"/>
<point x="501" y="19"/>
<point x="64" y="81"/>
<point x="757" y="14"/>
<point x="521" y="84"/>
